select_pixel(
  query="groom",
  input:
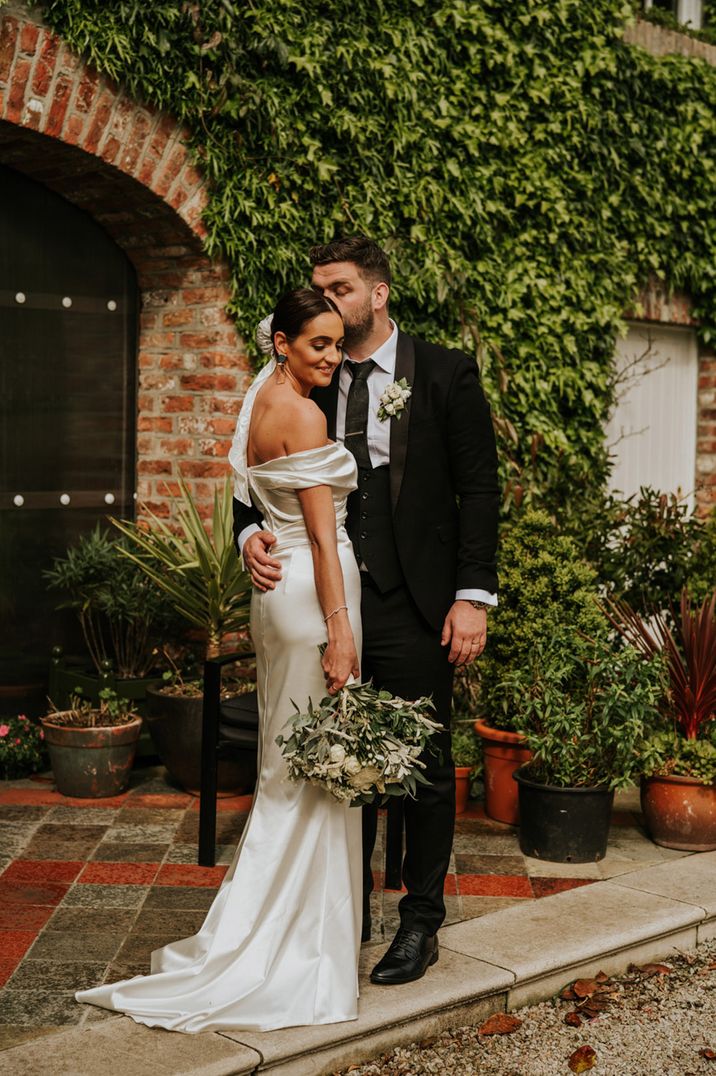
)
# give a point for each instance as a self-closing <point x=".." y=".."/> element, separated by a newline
<point x="423" y="523"/>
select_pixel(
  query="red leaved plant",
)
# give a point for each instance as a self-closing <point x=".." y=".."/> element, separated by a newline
<point x="690" y="655"/>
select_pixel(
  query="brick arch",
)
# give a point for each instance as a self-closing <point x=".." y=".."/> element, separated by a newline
<point x="127" y="165"/>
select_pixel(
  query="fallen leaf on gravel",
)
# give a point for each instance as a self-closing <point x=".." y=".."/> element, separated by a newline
<point x="502" y="1023"/>
<point x="650" y="970"/>
<point x="708" y="1053"/>
<point x="583" y="1059"/>
<point x="567" y="994"/>
<point x="584" y="988"/>
<point x="592" y="1007"/>
<point x="425" y="1044"/>
<point x="601" y="977"/>
<point x="573" y="1019"/>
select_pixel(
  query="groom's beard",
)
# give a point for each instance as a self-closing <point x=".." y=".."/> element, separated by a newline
<point x="358" y="327"/>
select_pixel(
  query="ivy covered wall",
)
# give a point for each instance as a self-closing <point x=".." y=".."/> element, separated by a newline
<point x="527" y="169"/>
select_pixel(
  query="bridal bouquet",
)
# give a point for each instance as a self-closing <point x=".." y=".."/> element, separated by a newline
<point x="360" y="745"/>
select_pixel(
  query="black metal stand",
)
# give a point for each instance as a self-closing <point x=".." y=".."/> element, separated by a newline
<point x="209" y="755"/>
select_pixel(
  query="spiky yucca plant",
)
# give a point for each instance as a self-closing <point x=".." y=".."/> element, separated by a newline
<point x="202" y="573"/>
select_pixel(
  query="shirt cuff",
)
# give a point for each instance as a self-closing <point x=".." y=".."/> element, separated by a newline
<point x="253" y="528"/>
<point x="471" y="595"/>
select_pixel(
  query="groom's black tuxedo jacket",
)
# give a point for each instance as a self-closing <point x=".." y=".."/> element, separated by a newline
<point x="443" y="477"/>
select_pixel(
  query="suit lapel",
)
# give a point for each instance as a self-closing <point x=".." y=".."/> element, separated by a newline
<point x="327" y="400"/>
<point x="399" y="428"/>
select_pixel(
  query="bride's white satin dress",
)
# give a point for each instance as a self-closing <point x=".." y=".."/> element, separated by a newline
<point x="279" y="946"/>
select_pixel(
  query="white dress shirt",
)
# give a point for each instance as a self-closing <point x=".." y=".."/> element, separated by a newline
<point x="378" y="432"/>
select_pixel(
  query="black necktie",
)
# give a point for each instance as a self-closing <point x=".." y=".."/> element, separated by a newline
<point x="356" y="435"/>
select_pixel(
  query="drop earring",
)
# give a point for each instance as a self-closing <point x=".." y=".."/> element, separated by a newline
<point x="281" y="370"/>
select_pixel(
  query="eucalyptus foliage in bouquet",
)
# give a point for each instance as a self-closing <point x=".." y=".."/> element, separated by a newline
<point x="360" y="745"/>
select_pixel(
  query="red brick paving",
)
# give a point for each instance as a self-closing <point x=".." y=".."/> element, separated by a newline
<point x="119" y="873"/>
<point x="27" y="916"/>
<point x="42" y="870"/>
<point x="186" y="874"/>
<point x="494" y="885"/>
<point x="47" y="893"/>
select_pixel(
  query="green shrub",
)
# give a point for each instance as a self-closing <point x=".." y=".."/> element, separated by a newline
<point x="585" y="709"/>
<point x="665" y="752"/>
<point x="124" y="615"/>
<point x="466" y="749"/>
<point x="544" y="585"/>
<point x="646" y="548"/>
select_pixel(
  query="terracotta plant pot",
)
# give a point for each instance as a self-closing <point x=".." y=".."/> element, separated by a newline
<point x="503" y="753"/>
<point x="462" y="788"/>
<point x="91" y="763"/>
<point x="680" y="812"/>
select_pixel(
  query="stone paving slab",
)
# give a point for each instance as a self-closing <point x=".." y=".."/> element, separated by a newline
<point x="456" y="988"/>
<point x="549" y="942"/>
<point x="119" y="1047"/>
<point x="693" y="883"/>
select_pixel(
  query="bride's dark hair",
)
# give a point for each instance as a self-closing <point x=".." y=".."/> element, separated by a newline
<point x="296" y="308"/>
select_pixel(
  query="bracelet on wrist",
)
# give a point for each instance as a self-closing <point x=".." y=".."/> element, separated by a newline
<point x="340" y="607"/>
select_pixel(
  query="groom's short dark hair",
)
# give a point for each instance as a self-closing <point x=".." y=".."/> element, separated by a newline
<point x="372" y="261"/>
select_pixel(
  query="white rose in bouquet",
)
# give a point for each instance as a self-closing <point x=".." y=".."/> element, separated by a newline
<point x="366" y="777"/>
<point x="351" y="765"/>
<point x="337" y="753"/>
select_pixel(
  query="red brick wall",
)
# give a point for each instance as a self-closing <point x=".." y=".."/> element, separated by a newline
<point x="659" y="41"/>
<point x="127" y="165"/>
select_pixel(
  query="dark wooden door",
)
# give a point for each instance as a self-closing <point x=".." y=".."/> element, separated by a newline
<point x="68" y="328"/>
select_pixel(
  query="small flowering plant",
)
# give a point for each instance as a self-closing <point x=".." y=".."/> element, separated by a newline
<point x="22" y="750"/>
<point x="361" y="745"/>
<point x="394" y="399"/>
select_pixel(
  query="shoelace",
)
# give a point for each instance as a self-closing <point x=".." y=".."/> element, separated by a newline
<point x="406" y="943"/>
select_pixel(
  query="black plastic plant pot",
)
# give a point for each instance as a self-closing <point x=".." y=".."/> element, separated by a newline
<point x="563" y="825"/>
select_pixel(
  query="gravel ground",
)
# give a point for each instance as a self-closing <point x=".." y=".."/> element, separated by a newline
<point x="655" y="1021"/>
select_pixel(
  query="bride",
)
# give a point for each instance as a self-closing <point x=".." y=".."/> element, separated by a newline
<point x="279" y="946"/>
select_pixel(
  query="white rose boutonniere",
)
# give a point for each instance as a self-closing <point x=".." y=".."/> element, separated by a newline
<point x="394" y="399"/>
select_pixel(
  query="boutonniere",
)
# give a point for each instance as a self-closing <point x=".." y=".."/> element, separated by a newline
<point x="394" y="399"/>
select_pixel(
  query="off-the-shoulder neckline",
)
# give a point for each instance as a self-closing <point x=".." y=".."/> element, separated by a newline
<point x="293" y="455"/>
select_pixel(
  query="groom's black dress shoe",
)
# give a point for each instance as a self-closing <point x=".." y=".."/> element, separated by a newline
<point x="410" y="955"/>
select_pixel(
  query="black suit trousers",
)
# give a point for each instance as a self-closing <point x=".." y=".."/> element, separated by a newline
<point x="402" y="654"/>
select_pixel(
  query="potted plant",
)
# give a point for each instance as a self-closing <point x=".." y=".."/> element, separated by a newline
<point x="467" y="757"/>
<point x="584" y="707"/>
<point x="544" y="583"/>
<point x="199" y="570"/>
<point x="92" y="747"/>
<point x="678" y="789"/>
<point x="22" y="750"/>
<point x="124" y="617"/>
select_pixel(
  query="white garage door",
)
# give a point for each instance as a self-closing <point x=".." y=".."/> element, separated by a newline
<point x="651" y="434"/>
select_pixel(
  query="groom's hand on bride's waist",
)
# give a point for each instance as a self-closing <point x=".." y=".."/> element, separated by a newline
<point x="265" y="570"/>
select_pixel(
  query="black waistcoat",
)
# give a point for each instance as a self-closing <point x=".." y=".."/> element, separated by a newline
<point x="370" y="527"/>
